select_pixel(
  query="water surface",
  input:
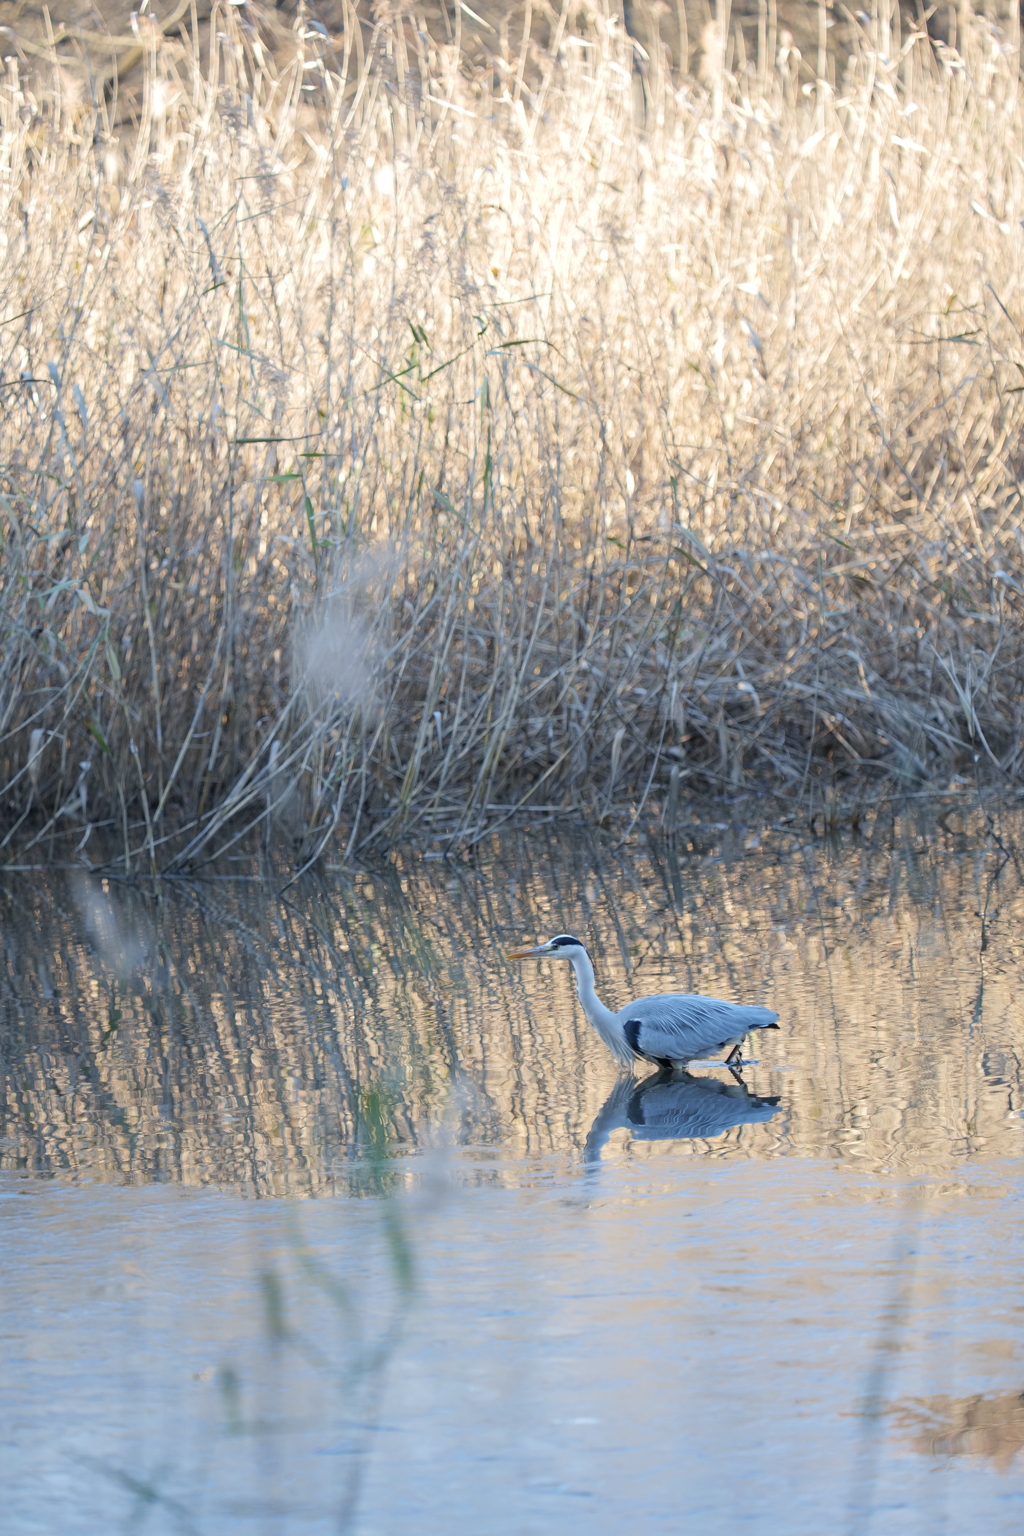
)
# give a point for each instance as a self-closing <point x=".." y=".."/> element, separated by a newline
<point x="319" y="1215"/>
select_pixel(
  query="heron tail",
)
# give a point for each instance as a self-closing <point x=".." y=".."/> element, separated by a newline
<point x="760" y="1018"/>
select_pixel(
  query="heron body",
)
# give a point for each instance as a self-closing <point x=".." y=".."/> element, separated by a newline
<point x="670" y="1029"/>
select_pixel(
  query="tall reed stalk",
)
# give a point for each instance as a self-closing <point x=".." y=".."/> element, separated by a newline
<point x="386" y="444"/>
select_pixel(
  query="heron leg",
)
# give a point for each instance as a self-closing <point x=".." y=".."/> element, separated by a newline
<point x="734" y="1055"/>
<point x="737" y="1074"/>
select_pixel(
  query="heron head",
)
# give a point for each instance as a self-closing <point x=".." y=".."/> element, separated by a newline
<point x="562" y="944"/>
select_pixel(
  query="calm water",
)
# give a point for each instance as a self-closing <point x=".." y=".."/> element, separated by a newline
<point x="319" y="1216"/>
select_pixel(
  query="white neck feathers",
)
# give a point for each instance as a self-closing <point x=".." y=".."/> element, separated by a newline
<point x="603" y="1019"/>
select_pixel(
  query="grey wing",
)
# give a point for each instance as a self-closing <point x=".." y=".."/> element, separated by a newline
<point x="677" y="1026"/>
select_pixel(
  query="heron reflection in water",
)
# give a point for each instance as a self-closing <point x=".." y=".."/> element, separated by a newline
<point x="670" y="1030"/>
<point x="674" y="1106"/>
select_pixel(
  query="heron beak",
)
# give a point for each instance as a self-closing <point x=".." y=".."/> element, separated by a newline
<point x="528" y="954"/>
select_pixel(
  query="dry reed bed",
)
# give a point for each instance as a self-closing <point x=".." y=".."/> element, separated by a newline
<point x="384" y="450"/>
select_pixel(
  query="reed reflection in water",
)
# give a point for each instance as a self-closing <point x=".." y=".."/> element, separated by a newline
<point x="990" y="1426"/>
<point x="560" y="1300"/>
<point x="213" y="1033"/>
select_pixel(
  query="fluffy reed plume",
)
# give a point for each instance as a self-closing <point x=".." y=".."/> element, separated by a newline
<point x="688" y="420"/>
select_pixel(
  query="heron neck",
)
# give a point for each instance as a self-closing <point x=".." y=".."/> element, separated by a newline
<point x="600" y="1016"/>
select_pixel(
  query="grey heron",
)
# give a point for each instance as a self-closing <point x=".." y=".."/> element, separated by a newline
<point x="674" y="1107"/>
<point x="670" y="1029"/>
